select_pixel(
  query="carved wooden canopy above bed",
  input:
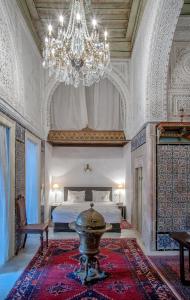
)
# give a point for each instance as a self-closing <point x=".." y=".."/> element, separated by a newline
<point x="87" y="137"/>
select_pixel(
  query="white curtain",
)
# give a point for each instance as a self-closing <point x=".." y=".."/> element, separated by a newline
<point x="32" y="182"/>
<point x="103" y="106"/>
<point x="98" y="107"/>
<point x="4" y="194"/>
<point x="68" y="109"/>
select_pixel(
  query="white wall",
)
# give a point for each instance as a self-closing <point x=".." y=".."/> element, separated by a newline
<point x="139" y="65"/>
<point x="128" y="180"/>
<point x="108" y="168"/>
<point x="145" y="157"/>
<point x="48" y="178"/>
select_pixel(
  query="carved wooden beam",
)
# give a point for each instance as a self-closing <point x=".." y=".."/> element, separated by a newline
<point x="87" y="137"/>
<point x="174" y="129"/>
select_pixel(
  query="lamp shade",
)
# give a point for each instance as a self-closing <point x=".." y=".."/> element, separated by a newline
<point x="120" y="186"/>
<point x="55" y="186"/>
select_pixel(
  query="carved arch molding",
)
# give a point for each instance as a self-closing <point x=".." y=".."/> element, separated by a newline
<point x="165" y="22"/>
<point x="115" y="77"/>
<point x="179" y="81"/>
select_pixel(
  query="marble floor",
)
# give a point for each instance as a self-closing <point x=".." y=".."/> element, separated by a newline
<point x="11" y="271"/>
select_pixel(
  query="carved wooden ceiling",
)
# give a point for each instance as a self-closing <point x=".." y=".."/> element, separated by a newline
<point x="186" y="8"/>
<point x="119" y="17"/>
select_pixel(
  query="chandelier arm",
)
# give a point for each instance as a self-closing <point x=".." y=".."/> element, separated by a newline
<point x="70" y="27"/>
<point x="84" y="20"/>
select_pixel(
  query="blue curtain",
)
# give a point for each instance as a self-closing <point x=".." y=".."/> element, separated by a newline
<point x="4" y="194"/>
<point x="32" y="180"/>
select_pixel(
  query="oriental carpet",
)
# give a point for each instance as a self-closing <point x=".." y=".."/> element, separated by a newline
<point x="131" y="275"/>
<point x="169" y="268"/>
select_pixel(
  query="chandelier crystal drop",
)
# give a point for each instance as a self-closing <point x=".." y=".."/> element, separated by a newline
<point x="73" y="55"/>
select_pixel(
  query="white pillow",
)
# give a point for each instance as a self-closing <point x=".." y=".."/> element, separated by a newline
<point x="76" y="196"/>
<point x="101" y="196"/>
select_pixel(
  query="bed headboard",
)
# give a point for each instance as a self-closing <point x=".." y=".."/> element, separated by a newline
<point x="88" y="191"/>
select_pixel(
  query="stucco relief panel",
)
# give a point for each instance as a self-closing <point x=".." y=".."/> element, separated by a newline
<point x="32" y="80"/>
<point x="177" y="102"/>
<point x="20" y="68"/>
<point x="180" y="66"/>
<point x="7" y="84"/>
<point x="179" y="81"/>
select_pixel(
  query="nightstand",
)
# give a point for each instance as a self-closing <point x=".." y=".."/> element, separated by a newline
<point x="123" y="210"/>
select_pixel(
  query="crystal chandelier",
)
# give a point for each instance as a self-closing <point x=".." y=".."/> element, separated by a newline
<point x="73" y="55"/>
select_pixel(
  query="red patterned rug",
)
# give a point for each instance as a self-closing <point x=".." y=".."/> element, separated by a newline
<point x="169" y="267"/>
<point x="126" y="225"/>
<point x="131" y="276"/>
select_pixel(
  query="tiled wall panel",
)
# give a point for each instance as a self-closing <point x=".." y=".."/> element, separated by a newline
<point x="173" y="192"/>
<point x="20" y="169"/>
<point x="19" y="173"/>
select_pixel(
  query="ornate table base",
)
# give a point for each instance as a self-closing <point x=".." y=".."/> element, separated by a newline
<point x="89" y="269"/>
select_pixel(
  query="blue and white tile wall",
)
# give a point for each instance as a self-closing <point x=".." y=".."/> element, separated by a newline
<point x="173" y="193"/>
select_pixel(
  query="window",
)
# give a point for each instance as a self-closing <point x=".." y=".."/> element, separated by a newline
<point x="32" y="181"/>
<point x="5" y="201"/>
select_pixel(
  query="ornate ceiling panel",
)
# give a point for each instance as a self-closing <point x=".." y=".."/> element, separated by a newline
<point x="119" y="17"/>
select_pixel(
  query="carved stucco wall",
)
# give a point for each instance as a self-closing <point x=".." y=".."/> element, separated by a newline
<point x="21" y="72"/>
<point x="9" y="83"/>
<point x="179" y="72"/>
<point x="149" y="63"/>
<point x="161" y="42"/>
<point x="119" y="76"/>
<point x="149" y="69"/>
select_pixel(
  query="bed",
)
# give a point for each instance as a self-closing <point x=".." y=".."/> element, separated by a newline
<point x="66" y="213"/>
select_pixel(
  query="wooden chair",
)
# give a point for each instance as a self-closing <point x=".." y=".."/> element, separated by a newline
<point x="25" y="228"/>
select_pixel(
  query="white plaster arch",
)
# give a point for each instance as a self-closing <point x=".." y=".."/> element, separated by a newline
<point x="120" y="84"/>
<point x="11" y="89"/>
<point x="113" y="76"/>
<point x="163" y="28"/>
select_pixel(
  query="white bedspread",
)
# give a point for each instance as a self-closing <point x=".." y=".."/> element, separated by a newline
<point x="67" y="212"/>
